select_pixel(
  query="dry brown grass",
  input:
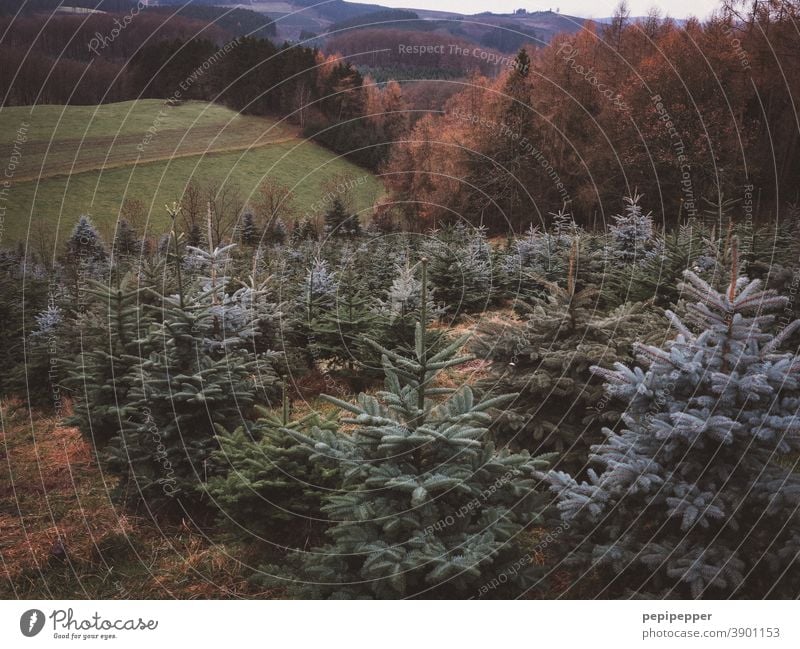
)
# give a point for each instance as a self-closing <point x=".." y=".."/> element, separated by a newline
<point x="52" y="491"/>
<point x="477" y="369"/>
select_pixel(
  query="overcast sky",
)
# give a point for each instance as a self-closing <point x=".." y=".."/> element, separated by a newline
<point x="582" y="8"/>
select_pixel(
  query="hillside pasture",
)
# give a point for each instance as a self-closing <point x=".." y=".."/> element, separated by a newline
<point x="89" y="160"/>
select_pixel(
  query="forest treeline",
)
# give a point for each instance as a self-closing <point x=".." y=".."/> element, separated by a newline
<point x="681" y="112"/>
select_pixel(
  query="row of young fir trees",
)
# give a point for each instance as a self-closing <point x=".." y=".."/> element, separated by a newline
<point x="661" y="457"/>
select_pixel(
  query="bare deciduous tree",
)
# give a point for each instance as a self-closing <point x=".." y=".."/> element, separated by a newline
<point x="134" y="212"/>
<point x="275" y="200"/>
<point x="224" y="205"/>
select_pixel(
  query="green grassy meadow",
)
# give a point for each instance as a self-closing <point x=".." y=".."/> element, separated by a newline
<point x="89" y="159"/>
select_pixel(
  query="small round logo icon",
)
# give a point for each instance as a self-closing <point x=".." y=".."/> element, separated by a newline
<point x="31" y="622"/>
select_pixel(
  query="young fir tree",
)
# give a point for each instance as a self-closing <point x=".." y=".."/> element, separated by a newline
<point x="86" y="258"/>
<point x="158" y="275"/>
<point x="304" y="230"/>
<point x="319" y="291"/>
<point x="313" y="289"/>
<point x="248" y="230"/>
<point x="276" y="233"/>
<point x="340" y="332"/>
<point x="696" y="496"/>
<point x="236" y="312"/>
<point x="538" y="255"/>
<point x="460" y="270"/>
<point x="126" y="242"/>
<point x="402" y="308"/>
<point x="426" y="506"/>
<point x="85" y="244"/>
<point x="633" y="239"/>
<point x="384" y="222"/>
<point x="194" y="235"/>
<point x="713" y="262"/>
<point x="656" y="278"/>
<point x="770" y="254"/>
<point x="339" y="223"/>
<point x="384" y="258"/>
<point x="47" y="354"/>
<point x="23" y="295"/>
<point x="101" y="375"/>
<point x="267" y="487"/>
<point x="254" y="313"/>
<point x="563" y="225"/>
<point x="193" y="379"/>
<point x="546" y="360"/>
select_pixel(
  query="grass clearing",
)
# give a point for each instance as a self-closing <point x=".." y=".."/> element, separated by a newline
<point x="89" y="159"/>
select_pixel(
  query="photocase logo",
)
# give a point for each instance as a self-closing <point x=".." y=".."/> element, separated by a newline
<point x="31" y="622"/>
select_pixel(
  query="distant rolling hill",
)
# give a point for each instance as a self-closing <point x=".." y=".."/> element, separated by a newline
<point x="302" y="19"/>
<point x="371" y="35"/>
<point x="89" y="159"/>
